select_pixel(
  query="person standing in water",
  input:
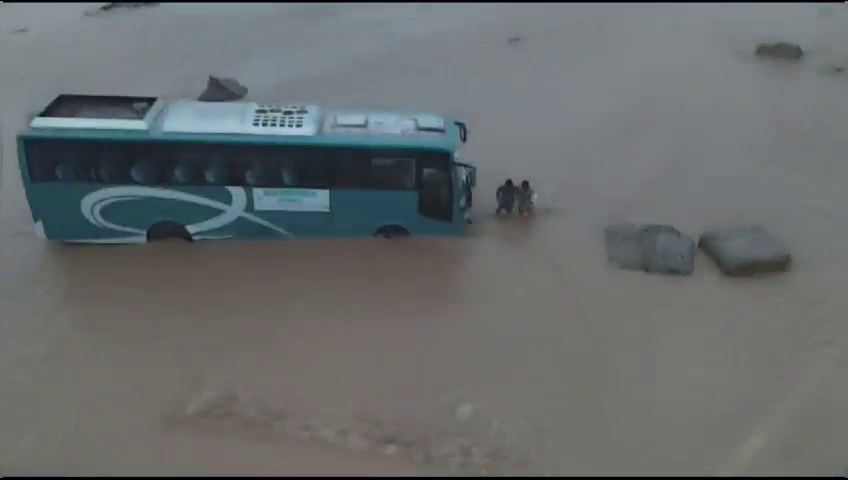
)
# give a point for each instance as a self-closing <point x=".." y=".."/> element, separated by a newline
<point x="526" y="202"/>
<point x="506" y="197"/>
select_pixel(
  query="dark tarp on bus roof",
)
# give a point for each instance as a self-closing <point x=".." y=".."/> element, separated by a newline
<point x="222" y="90"/>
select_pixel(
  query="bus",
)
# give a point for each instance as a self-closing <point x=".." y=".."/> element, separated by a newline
<point x="120" y="169"/>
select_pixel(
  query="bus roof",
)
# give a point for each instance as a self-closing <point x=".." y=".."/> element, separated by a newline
<point x="151" y="118"/>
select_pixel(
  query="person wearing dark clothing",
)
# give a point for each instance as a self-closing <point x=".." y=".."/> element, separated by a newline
<point x="506" y="197"/>
<point x="526" y="202"/>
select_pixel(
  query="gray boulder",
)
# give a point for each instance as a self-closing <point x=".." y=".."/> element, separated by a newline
<point x="780" y="50"/>
<point x="115" y="5"/>
<point x="745" y="250"/>
<point x="834" y="69"/>
<point x="222" y="90"/>
<point x="658" y="249"/>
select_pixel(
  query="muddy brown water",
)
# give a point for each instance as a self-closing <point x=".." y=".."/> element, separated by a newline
<point x="643" y="113"/>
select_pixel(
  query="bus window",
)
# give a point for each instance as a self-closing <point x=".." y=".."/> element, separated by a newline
<point x="435" y="191"/>
<point x="314" y="169"/>
<point x="113" y="165"/>
<point x="188" y="172"/>
<point x="52" y="161"/>
<point x="74" y="162"/>
<point x="352" y="169"/>
<point x="262" y="171"/>
<point x="219" y="171"/>
<point x="41" y="161"/>
<point x="188" y="167"/>
<point x="288" y="172"/>
<point x="392" y="173"/>
<point x="73" y="168"/>
<point x="148" y="168"/>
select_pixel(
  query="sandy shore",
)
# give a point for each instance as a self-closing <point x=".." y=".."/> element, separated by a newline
<point x="642" y="113"/>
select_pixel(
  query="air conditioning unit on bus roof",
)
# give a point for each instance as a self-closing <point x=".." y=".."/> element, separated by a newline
<point x="191" y="116"/>
<point x="386" y="123"/>
<point x="99" y="112"/>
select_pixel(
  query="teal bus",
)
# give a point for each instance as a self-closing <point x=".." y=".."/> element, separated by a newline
<point x="116" y="169"/>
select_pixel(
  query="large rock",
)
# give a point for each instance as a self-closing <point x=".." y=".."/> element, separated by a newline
<point x="745" y="250"/>
<point x="780" y="50"/>
<point x="115" y="5"/>
<point x="658" y="249"/>
<point x="222" y="90"/>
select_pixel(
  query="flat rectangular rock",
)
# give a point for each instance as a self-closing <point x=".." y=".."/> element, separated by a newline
<point x="658" y="249"/>
<point x="780" y="50"/>
<point x="745" y="250"/>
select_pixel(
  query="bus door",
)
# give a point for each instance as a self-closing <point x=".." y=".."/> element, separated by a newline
<point x="467" y="180"/>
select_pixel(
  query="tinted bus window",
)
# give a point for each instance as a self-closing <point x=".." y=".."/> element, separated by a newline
<point x="352" y="168"/>
<point x="188" y="167"/>
<point x="219" y="171"/>
<point x="84" y="162"/>
<point x="261" y="169"/>
<point x="392" y="173"/>
<point x="148" y="167"/>
<point x="435" y="190"/>
<point x="73" y="168"/>
<point x="197" y="165"/>
<point x="313" y="167"/>
<point x="41" y="164"/>
<point x="123" y="163"/>
<point x="113" y="164"/>
<point x="288" y="172"/>
<point x="52" y="161"/>
<point x="374" y="169"/>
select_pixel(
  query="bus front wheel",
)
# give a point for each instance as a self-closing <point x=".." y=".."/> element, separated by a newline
<point x="392" y="231"/>
<point x="168" y="231"/>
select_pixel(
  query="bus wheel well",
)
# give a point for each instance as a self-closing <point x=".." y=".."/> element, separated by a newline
<point x="391" y="231"/>
<point x="168" y="231"/>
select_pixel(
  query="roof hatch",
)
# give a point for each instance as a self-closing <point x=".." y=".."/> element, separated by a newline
<point x="99" y="112"/>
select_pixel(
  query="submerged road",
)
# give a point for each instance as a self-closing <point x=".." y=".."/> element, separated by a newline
<point x="652" y="113"/>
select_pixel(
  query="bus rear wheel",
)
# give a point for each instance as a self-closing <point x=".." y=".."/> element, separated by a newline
<point x="168" y="231"/>
<point x="392" y="231"/>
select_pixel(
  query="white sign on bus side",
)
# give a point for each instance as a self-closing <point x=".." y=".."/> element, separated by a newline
<point x="290" y="200"/>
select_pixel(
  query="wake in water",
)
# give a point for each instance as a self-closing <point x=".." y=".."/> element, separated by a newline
<point x="543" y="201"/>
<point x="492" y="452"/>
<point x="548" y="201"/>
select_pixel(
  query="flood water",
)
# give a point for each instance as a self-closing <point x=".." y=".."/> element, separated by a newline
<point x="641" y="113"/>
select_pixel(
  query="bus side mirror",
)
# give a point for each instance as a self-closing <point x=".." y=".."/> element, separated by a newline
<point x="463" y="131"/>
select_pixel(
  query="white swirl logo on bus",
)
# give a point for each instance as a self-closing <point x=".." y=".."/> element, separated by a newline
<point x="92" y="206"/>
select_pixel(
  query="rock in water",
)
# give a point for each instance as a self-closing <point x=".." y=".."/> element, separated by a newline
<point x="222" y="90"/>
<point x="780" y="50"/>
<point x="114" y="5"/>
<point x="658" y="249"/>
<point x="745" y="250"/>
<point x="464" y="412"/>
